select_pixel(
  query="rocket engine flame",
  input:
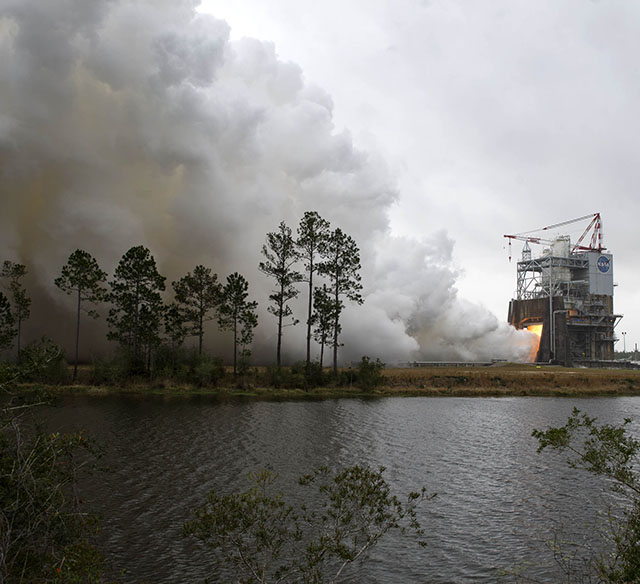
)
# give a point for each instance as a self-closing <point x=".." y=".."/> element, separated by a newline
<point x="536" y="329"/>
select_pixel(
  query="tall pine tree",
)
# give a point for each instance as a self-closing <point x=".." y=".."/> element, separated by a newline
<point x="313" y="233"/>
<point x="323" y="319"/>
<point x="197" y="295"/>
<point x="21" y="303"/>
<point x="137" y="306"/>
<point x="280" y="257"/>
<point x="82" y="277"/>
<point x="237" y="314"/>
<point x="341" y="265"/>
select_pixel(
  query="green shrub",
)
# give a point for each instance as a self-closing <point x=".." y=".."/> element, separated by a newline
<point x="611" y="452"/>
<point x="110" y="370"/>
<point x="285" y="378"/>
<point x="8" y="372"/>
<point x="43" y="362"/>
<point x="296" y="377"/>
<point x="209" y="371"/>
<point x="369" y="373"/>
<point x="167" y="360"/>
<point x="191" y="367"/>
<point x="47" y="536"/>
<point x="260" y="531"/>
<point x="312" y="377"/>
<point x="347" y="377"/>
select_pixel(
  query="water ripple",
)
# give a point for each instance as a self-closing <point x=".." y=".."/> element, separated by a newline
<point x="498" y="501"/>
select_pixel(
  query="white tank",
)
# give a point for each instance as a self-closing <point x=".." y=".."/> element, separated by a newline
<point x="561" y="246"/>
<point x="560" y="249"/>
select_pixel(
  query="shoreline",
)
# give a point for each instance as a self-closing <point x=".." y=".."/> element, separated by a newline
<point x="504" y="380"/>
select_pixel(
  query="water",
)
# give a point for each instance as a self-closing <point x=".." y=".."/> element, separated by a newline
<point x="498" y="501"/>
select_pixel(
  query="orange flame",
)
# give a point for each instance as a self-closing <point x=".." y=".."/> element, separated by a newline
<point x="536" y="329"/>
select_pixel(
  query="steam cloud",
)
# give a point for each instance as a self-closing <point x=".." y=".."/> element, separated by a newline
<point x="126" y="122"/>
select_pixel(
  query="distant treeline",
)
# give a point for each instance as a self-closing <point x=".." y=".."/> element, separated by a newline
<point x="144" y="326"/>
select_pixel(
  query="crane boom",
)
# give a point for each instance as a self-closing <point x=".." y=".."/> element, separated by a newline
<point x="563" y="223"/>
<point x="595" y="244"/>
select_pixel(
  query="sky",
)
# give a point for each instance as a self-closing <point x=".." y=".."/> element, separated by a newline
<point x="425" y="130"/>
<point x="496" y="117"/>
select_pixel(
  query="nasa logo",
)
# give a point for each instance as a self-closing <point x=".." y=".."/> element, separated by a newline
<point x="604" y="264"/>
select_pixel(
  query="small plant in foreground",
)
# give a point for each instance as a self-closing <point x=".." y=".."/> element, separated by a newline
<point x="43" y="361"/>
<point x="262" y="538"/>
<point x="611" y="452"/>
<point x="45" y="536"/>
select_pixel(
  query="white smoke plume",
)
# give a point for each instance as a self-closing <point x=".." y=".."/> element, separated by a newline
<point x="126" y="122"/>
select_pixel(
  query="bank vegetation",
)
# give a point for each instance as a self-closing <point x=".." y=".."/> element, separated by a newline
<point x="201" y="374"/>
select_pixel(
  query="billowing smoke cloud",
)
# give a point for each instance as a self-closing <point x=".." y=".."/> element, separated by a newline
<point x="129" y="121"/>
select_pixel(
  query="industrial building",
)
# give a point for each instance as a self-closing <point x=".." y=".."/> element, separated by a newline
<point x="565" y="295"/>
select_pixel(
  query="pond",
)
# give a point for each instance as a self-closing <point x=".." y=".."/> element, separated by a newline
<point x="498" y="502"/>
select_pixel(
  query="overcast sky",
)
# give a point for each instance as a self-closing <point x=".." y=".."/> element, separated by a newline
<point x="495" y="117"/>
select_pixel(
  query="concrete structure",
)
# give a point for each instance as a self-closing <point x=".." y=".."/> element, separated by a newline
<point x="566" y="295"/>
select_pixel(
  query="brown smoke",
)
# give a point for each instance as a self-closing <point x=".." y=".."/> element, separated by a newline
<point x="135" y="122"/>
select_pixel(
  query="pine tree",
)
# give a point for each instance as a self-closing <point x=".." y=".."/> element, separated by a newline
<point x="197" y="295"/>
<point x="21" y="308"/>
<point x="174" y="329"/>
<point x="341" y="265"/>
<point x="137" y="305"/>
<point x="281" y="255"/>
<point x="313" y="233"/>
<point x="82" y="276"/>
<point x="7" y="329"/>
<point x="323" y="319"/>
<point x="174" y="325"/>
<point x="237" y="314"/>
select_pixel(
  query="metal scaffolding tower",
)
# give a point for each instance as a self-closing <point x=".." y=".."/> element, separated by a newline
<point x="569" y="291"/>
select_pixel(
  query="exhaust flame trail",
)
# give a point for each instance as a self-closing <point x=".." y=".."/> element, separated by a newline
<point x="536" y="329"/>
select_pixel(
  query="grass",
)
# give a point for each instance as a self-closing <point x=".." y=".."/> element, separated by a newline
<point x="503" y="379"/>
<point x="513" y="379"/>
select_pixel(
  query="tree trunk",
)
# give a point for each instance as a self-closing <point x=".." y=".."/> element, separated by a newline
<point x="200" y="334"/>
<point x="135" y="328"/>
<point x="235" y="345"/>
<point x="309" y="313"/>
<point x="321" y="354"/>
<point x="19" y="335"/>
<point x="335" y="334"/>
<point x="75" y="364"/>
<point x="174" y="357"/>
<point x="280" y="310"/>
<point x="279" y="339"/>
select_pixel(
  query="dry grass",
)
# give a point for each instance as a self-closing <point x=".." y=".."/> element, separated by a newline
<point x="512" y="379"/>
<point x="503" y="379"/>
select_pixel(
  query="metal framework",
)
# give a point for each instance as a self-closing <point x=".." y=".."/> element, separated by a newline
<point x="578" y="321"/>
<point x="536" y="277"/>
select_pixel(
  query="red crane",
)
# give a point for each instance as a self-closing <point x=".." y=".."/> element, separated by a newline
<point x="595" y="227"/>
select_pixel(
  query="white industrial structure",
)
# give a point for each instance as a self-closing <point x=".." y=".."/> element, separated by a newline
<point x="566" y="293"/>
